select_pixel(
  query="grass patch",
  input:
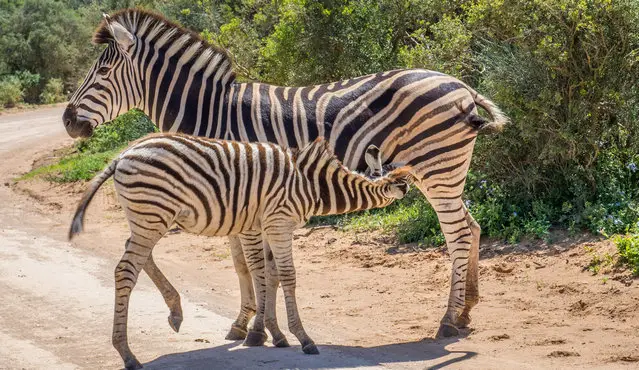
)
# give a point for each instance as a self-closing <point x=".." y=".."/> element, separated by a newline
<point x="76" y="167"/>
<point x="628" y="248"/>
<point x="91" y="155"/>
<point x="411" y="219"/>
<point x="599" y="262"/>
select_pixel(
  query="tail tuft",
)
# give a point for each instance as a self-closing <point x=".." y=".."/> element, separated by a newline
<point x="76" y="224"/>
<point x="499" y="119"/>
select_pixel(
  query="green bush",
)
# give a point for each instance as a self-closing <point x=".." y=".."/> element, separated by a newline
<point x="118" y="133"/>
<point x="628" y="248"/>
<point x="10" y="91"/>
<point x="30" y="85"/>
<point x="53" y="92"/>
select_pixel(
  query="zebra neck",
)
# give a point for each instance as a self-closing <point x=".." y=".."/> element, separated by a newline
<point x="334" y="189"/>
<point x="185" y="89"/>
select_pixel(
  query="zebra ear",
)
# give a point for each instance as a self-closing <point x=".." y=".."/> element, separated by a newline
<point x="120" y="34"/>
<point x="373" y="158"/>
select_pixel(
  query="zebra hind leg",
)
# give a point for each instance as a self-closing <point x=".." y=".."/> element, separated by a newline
<point x="238" y="329"/>
<point x="138" y="250"/>
<point x="170" y="295"/>
<point x="472" y="275"/>
<point x="459" y="236"/>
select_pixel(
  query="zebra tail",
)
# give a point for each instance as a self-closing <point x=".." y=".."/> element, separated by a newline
<point x="78" y="219"/>
<point x="499" y="118"/>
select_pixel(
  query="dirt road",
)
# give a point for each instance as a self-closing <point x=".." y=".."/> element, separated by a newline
<point x="365" y="308"/>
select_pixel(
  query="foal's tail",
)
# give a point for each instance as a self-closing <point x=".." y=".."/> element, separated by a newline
<point x="78" y="219"/>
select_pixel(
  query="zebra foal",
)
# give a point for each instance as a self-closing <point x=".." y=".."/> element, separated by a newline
<point x="218" y="188"/>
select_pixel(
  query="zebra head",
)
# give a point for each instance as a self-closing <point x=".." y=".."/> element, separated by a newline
<point x="399" y="182"/>
<point x="111" y="87"/>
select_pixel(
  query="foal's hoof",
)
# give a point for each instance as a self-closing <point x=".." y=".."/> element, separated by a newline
<point x="255" y="339"/>
<point x="132" y="364"/>
<point x="310" y="349"/>
<point x="175" y="322"/>
<point x="236" y="333"/>
<point x="447" y="330"/>
<point x="281" y="342"/>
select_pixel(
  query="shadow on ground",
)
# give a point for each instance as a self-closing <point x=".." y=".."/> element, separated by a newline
<point x="428" y="353"/>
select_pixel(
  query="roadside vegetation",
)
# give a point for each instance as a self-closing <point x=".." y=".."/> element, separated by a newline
<point x="565" y="71"/>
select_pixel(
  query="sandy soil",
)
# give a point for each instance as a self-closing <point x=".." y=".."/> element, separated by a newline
<point x="366" y="300"/>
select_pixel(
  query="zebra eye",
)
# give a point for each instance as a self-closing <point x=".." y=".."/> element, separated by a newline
<point x="103" y="70"/>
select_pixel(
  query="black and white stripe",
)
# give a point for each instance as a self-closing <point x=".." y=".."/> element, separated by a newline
<point x="220" y="188"/>
<point x="421" y="118"/>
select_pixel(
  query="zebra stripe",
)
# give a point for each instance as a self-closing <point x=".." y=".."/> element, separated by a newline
<point x="421" y="118"/>
<point x="220" y="188"/>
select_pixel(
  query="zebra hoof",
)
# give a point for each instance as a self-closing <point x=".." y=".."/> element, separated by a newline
<point x="281" y="342"/>
<point x="255" y="339"/>
<point x="447" y="331"/>
<point x="236" y="333"/>
<point x="463" y="321"/>
<point x="310" y="349"/>
<point x="175" y="322"/>
<point x="132" y="364"/>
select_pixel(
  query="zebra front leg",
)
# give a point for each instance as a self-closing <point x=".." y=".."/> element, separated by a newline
<point x="280" y="242"/>
<point x="170" y="295"/>
<point x="247" y="294"/>
<point x="138" y="249"/>
<point x="254" y="257"/>
<point x="272" y="283"/>
<point x="472" y="274"/>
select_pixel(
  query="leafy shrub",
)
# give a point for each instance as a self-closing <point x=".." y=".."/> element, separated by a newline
<point x="53" y="92"/>
<point x="10" y="91"/>
<point x="30" y="84"/>
<point x="119" y="132"/>
<point x="628" y="248"/>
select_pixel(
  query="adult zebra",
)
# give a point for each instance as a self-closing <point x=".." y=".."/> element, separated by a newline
<point x="421" y="118"/>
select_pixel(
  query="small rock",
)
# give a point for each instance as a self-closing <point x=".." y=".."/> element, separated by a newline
<point x="563" y="354"/>
<point x="578" y="306"/>
<point x="503" y="268"/>
<point x="496" y="338"/>
<point x="201" y="340"/>
<point x="539" y="265"/>
<point x="331" y="241"/>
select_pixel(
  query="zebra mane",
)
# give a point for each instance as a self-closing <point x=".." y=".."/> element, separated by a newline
<point x="142" y="23"/>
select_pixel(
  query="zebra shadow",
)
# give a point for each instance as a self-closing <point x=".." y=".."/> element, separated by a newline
<point x="425" y="354"/>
